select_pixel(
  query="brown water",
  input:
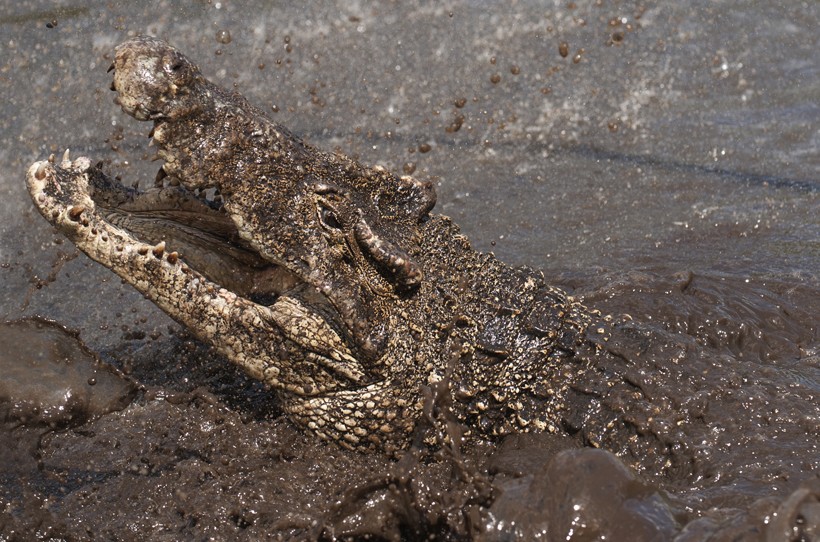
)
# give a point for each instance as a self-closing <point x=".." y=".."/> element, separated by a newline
<point x="670" y="174"/>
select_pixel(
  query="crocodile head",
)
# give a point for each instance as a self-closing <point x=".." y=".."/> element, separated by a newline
<point x="343" y="229"/>
<point x="292" y="271"/>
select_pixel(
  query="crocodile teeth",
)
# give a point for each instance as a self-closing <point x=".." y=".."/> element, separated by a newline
<point x="161" y="174"/>
<point x="159" y="249"/>
<point x="75" y="212"/>
<point x="40" y="174"/>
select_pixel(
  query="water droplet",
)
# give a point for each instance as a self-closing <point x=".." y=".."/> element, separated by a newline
<point x="563" y="49"/>
<point x="223" y="37"/>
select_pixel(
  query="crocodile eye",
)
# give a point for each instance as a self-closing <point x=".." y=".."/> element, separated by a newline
<point x="329" y="218"/>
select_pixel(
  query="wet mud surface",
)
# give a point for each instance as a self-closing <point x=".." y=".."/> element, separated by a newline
<point x="201" y="451"/>
<point x="670" y="173"/>
<point x="50" y="379"/>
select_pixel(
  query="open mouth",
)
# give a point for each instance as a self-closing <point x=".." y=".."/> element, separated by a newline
<point x="183" y="252"/>
<point x="195" y="225"/>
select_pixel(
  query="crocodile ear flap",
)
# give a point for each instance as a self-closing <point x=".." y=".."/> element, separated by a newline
<point x="401" y="198"/>
<point x="399" y="269"/>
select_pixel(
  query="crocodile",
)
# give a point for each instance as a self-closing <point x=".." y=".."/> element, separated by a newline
<point x="334" y="283"/>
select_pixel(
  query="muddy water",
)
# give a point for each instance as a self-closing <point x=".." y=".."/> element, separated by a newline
<point x="669" y="174"/>
<point x="204" y="451"/>
<point x="49" y="379"/>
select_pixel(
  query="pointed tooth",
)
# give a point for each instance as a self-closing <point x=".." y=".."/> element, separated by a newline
<point x="161" y="174"/>
<point x="111" y="67"/>
<point x="75" y="212"/>
<point x="159" y="249"/>
<point x="40" y="174"/>
<point x="51" y="158"/>
<point x="66" y="163"/>
<point x="151" y="133"/>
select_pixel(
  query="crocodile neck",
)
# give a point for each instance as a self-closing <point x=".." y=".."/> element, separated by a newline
<point x="511" y="347"/>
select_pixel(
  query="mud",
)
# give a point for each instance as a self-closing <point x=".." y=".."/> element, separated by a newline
<point x="669" y="174"/>
<point x="50" y="379"/>
<point x="202" y="452"/>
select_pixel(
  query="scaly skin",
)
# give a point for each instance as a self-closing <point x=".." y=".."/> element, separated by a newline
<point x="333" y="283"/>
